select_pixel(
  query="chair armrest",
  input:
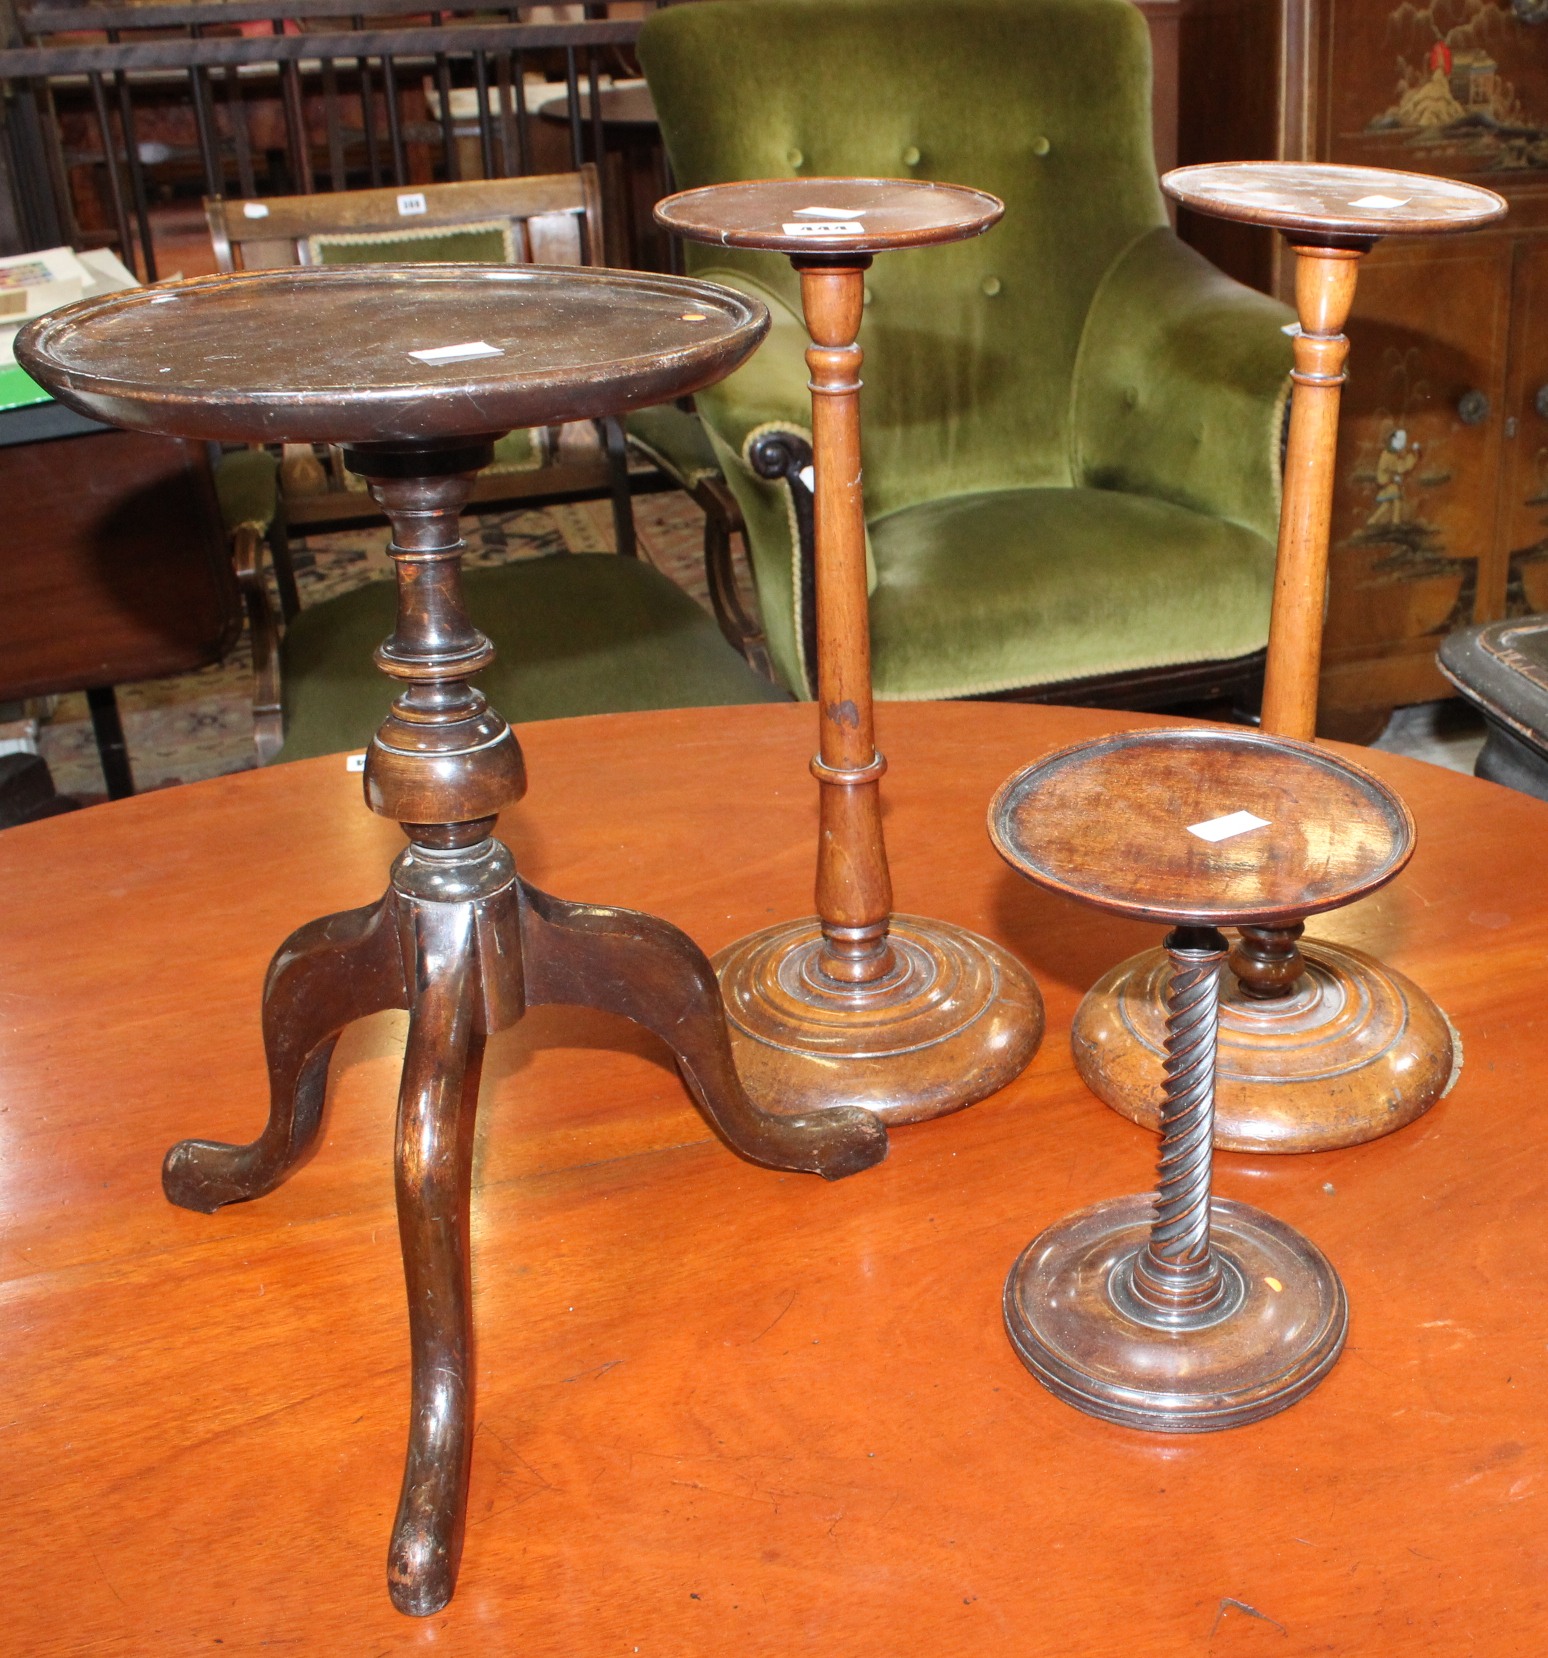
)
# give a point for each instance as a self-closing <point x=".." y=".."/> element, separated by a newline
<point x="767" y="399"/>
<point x="1181" y="386"/>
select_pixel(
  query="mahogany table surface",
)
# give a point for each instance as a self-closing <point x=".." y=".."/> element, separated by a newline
<point x="721" y="1410"/>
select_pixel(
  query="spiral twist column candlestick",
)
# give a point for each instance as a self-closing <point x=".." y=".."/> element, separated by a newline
<point x="1185" y="1312"/>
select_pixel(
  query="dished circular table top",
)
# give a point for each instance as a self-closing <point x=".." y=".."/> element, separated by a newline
<point x="829" y="215"/>
<point x="1328" y="199"/>
<point x="1190" y="824"/>
<point x="388" y="353"/>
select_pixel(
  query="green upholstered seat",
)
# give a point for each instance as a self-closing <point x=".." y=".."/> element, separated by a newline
<point x="587" y="633"/>
<point x="247" y="488"/>
<point x="1070" y="425"/>
<point x="675" y="439"/>
<point x="1033" y="575"/>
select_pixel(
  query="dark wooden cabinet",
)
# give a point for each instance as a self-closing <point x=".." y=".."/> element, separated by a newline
<point x="1441" y="510"/>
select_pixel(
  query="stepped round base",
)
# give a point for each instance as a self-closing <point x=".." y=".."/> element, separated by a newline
<point x="1354" y="1052"/>
<point x="1275" y="1334"/>
<point x="955" y="1019"/>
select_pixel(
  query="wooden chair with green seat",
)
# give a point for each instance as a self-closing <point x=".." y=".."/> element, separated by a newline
<point x="1072" y="427"/>
<point x="545" y="219"/>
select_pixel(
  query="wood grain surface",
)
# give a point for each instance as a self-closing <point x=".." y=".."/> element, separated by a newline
<point x="1115" y="823"/>
<point x="723" y="1410"/>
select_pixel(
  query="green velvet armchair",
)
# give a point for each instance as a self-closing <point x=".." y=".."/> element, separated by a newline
<point x="1071" y="426"/>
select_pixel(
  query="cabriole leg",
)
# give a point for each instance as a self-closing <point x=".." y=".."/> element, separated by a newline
<point x="326" y="975"/>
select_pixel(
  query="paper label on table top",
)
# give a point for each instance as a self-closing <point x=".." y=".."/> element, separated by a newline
<point x="831" y="212"/>
<point x="354" y="762"/>
<point x="254" y="210"/>
<point x="458" y="353"/>
<point x="1223" y="828"/>
<point x="828" y="227"/>
<point x="1380" y="201"/>
<point x="410" y="203"/>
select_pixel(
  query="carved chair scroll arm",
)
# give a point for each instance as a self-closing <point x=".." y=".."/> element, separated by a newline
<point x="784" y="454"/>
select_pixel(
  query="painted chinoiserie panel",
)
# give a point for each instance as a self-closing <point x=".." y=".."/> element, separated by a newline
<point x="1412" y="555"/>
<point x="1455" y="86"/>
<point x="1441" y="510"/>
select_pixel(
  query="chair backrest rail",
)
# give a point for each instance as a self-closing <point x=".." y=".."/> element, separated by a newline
<point x="357" y="80"/>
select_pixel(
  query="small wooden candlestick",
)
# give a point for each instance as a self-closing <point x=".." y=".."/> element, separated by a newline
<point x="909" y="1017"/>
<point x="1185" y="1313"/>
<point x="416" y="370"/>
<point x="1321" y="1045"/>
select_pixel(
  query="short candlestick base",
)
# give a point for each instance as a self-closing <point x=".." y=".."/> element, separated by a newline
<point x="954" y="1019"/>
<point x="1355" y="1051"/>
<point x="1260" y="1346"/>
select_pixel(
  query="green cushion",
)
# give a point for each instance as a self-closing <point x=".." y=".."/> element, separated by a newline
<point x="247" y="487"/>
<point x="676" y="441"/>
<point x="515" y="452"/>
<point x="481" y="244"/>
<point x="1017" y="588"/>
<point x="585" y="633"/>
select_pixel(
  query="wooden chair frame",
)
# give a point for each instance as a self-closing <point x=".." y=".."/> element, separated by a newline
<point x="555" y="219"/>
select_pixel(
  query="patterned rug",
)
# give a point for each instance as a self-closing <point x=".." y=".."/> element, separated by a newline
<point x="200" y="725"/>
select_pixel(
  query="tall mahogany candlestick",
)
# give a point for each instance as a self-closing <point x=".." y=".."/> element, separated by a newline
<point x="1321" y="1045"/>
<point x="908" y="1017"/>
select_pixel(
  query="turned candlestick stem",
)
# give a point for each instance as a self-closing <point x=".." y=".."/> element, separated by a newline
<point x="854" y="888"/>
<point x="1324" y="292"/>
<point x="1269" y="965"/>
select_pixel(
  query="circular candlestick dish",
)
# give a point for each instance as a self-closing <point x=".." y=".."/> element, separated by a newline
<point x="1321" y="1045"/>
<point x="1186" y="1313"/>
<point x="906" y="1016"/>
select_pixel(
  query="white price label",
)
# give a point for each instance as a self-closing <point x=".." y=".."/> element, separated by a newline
<point x="410" y="203"/>
<point x="830" y="227"/>
<point x="254" y="210"/>
<point x="1223" y="828"/>
<point x="458" y="353"/>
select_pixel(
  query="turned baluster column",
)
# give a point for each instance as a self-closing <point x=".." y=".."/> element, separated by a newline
<point x="856" y="1005"/>
<point x="1267" y="960"/>
<point x="854" y="889"/>
<point x="443" y="763"/>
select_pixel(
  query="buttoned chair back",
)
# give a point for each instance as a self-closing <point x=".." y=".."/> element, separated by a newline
<point x="1072" y="405"/>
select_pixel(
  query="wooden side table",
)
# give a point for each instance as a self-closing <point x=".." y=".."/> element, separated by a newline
<point x="416" y="370"/>
<point x="1320" y="1045"/>
<point x="1184" y="1313"/>
<point x="906" y="1016"/>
